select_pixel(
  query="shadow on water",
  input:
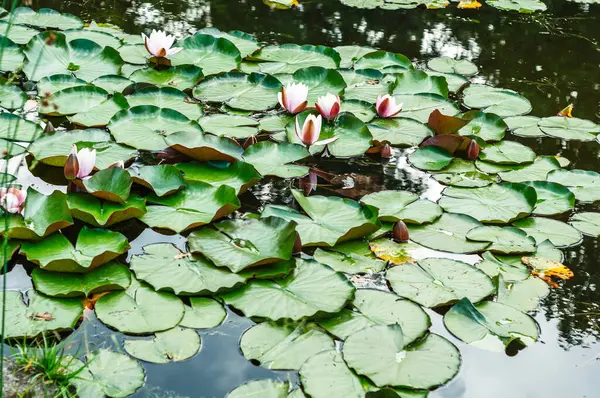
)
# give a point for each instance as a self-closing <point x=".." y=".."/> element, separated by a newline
<point x="551" y="58"/>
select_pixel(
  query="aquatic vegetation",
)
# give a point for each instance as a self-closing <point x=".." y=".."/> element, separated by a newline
<point x="177" y="145"/>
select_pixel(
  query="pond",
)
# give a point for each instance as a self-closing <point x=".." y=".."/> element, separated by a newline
<point x="551" y="58"/>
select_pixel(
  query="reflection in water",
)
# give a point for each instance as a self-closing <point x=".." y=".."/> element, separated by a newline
<point x="550" y="58"/>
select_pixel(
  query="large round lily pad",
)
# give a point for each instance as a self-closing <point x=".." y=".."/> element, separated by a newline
<point x="450" y="65"/>
<point x="352" y="257"/>
<point x="507" y="152"/>
<point x="326" y="375"/>
<point x="100" y="213"/>
<point x="44" y="18"/>
<point x="173" y="345"/>
<point x="270" y="158"/>
<point x="205" y="147"/>
<point x="166" y="97"/>
<point x="181" y="77"/>
<point x="500" y="101"/>
<point x="238" y="175"/>
<point x="399" y="131"/>
<point x="506" y="240"/>
<point x="557" y="232"/>
<point x="587" y="222"/>
<point x="436" y="282"/>
<point x="552" y="198"/>
<point x="584" y="184"/>
<point x="288" y="58"/>
<point x="380" y="353"/>
<point x="212" y="54"/>
<point x="569" y="128"/>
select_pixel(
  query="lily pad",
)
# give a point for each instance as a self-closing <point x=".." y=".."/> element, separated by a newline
<point x="569" y="128"/>
<point x="19" y="34"/>
<point x="105" y="278"/>
<point x="490" y="325"/>
<point x="242" y="243"/>
<point x="261" y="388"/>
<point x="505" y="240"/>
<point x="100" y="213"/>
<point x="44" y="18"/>
<point x="311" y="289"/>
<point x="351" y="257"/>
<point x="166" y="97"/>
<point x="320" y="81"/>
<point x="205" y="147"/>
<point x="587" y="222"/>
<point x="104" y="39"/>
<point x="431" y="158"/>
<point x="139" y="310"/>
<point x="435" y="282"/>
<point x="507" y="152"/>
<point x="100" y="115"/>
<point x="182" y="77"/>
<point x="94" y="247"/>
<point x="380" y="353"/>
<point x="197" y="204"/>
<point x="524" y="295"/>
<point x="212" y="54"/>
<point x="112" y="83"/>
<point x="351" y="54"/>
<point x="399" y="131"/>
<point x="112" y="184"/>
<point x="486" y="126"/>
<point x="45" y="214"/>
<point x="513" y="271"/>
<point x="536" y="171"/>
<point x="326" y="375"/>
<point x="584" y="184"/>
<point x="238" y="175"/>
<point x="84" y="58"/>
<point x="557" y="232"/>
<point x="288" y="58"/>
<point x="11" y="97"/>
<point x="57" y="82"/>
<point x="203" y="313"/>
<point x="524" y="6"/>
<point x="146" y="126"/>
<point x="364" y="85"/>
<point x="448" y="233"/>
<point x="270" y="158"/>
<point x="12" y="56"/>
<point x="390" y="203"/>
<point x="244" y="42"/>
<point x="173" y="345"/>
<point x="361" y="109"/>
<point x="74" y="100"/>
<point x="420" y="106"/>
<point x="524" y="126"/>
<point x="253" y="92"/>
<point x="450" y="65"/>
<point x="283" y="347"/>
<point x="229" y="126"/>
<point x="416" y="81"/>
<point x="500" y="101"/>
<point x="14" y="128"/>
<point x="38" y="315"/>
<point x="163" y="179"/>
<point x="329" y="220"/>
<point x="375" y="307"/>
<point x="382" y="59"/>
<point x="552" y="198"/>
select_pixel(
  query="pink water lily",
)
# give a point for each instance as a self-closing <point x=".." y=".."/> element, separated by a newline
<point x="328" y="105"/>
<point x="80" y="164"/>
<point x="160" y="44"/>
<point x="12" y="199"/>
<point x="386" y="106"/>
<point x="294" y="97"/>
<point x="311" y="130"/>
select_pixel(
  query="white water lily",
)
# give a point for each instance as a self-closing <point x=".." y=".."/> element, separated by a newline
<point x="328" y="105"/>
<point x="294" y="97"/>
<point x="160" y="44"/>
<point x="311" y="130"/>
<point x="386" y="106"/>
<point x="12" y="199"/>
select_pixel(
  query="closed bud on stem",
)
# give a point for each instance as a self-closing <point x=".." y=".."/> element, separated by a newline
<point x="297" y="244"/>
<point x="71" y="167"/>
<point x="473" y="150"/>
<point x="400" y="232"/>
<point x="386" y="151"/>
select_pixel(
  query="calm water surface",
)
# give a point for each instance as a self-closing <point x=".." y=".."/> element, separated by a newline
<point x="551" y="58"/>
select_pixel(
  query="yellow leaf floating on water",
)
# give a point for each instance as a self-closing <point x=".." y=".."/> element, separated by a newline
<point x="281" y="4"/>
<point x="469" y="4"/>
<point x="567" y="112"/>
<point x="546" y="270"/>
<point x="391" y="251"/>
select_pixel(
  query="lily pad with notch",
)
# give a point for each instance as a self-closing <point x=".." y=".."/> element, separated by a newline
<point x="399" y="131"/>
<point x="504" y="240"/>
<point x="212" y="54"/>
<point x="205" y="147"/>
<point x="101" y="213"/>
<point x="288" y="58"/>
<point x="584" y="184"/>
<point x="499" y="101"/>
<point x="232" y="126"/>
<point x="238" y="175"/>
<point x="352" y="257"/>
<point x="182" y="77"/>
<point x="173" y="345"/>
<point x="560" y="234"/>
<point x="163" y="179"/>
<point x="112" y="184"/>
<point x="166" y="97"/>
<point x="270" y="158"/>
<point x="552" y="198"/>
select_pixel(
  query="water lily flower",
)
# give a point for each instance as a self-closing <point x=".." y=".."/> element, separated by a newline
<point x="12" y="199"/>
<point x="160" y="44"/>
<point x="80" y="164"/>
<point x="386" y="106"/>
<point x="294" y="97"/>
<point x="311" y="130"/>
<point x="328" y="105"/>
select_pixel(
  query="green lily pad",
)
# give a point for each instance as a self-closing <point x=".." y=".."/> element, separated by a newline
<point x="326" y="374"/>
<point x="11" y="97"/>
<point x="431" y="158"/>
<point x="14" y="128"/>
<point x="84" y="58"/>
<point x="450" y="65"/>
<point x="505" y="240"/>
<point x="229" y="126"/>
<point x="74" y="100"/>
<point x="524" y="6"/>
<point x="586" y="222"/>
<point x="100" y="213"/>
<point x="146" y="126"/>
<point x="490" y="325"/>
<point x="54" y="148"/>
<point x="500" y="101"/>
<point x="181" y="77"/>
<point x="139" y="310"/>
<point x="244" y="42"/>
<point x="382" y="59"/>
<point x="351" y="54"/>
<point x="166" y="97"/>
<point x="19" y="34"/>
<point x="375" y="307"/>
<point x="100" y="115"/>
<point x="45" y="214"/>
<point x="320" y="81"/>
<point x="364" y="85"/>
<point x="203" y="313"/>
<point x="361" y="109"/>
<point x="212" y="54"/>
<point x="134" y="54"/>
<point x="275" y="123"/>
<point x="284" y="347"/>
<point x="435" y="282"/>
<point x="238" y="175"/>
<point x="57" y="82"/>
<point x="454" y="80"/>
<point x="584" y="184"/>
<point x="165" y="268"/>
<point x="400" y="131"/>
<point x="537" y="171"/>
<point x="447" y="233"/>
<point x="261" y="388"/>
<point x="253" y="92"/>
<point x="557" y="232"/>
<point x="112" y="184"/>
<point x="486" y="126"/>
<point x="524" y="126"/>
<point x="93" y="248"/>
<point x="29" y="320"/>
<point x="329" y="220"/>
<point x="466" y="179"/>
<point x="105" y="278"/>
<point x="44" y="18"/>
<point x="391" y="204"/>
<point x="112" y="83"/>
<point x="518" y="201"/>
<point x="288" y="58"/>
<point x="420" y="106"/>
<point x="197" y="204"/>
<point x="552" y="198"/>
<point x="380" y="353"/>
<point x="163" y="179"/>
<point x="524" y="296"/>
<point x="104" y="39"/>
<point x="173" y="345"/>
<point x="416" y="81"/>
<point x="569" y="128"/>
<point x="507" y="152"/>
<point x="270" y="158"/>
<point x="107" y="373"/>
<point x="510" y="271"/>
<point x="12" y="56"/>
<point x="205" y="147"/>
<point x="311" y="289"/>
<point x="352" y="257"/>
<point x="242" y="243"/>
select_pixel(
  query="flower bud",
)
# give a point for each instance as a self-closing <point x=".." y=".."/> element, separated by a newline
<point x="473" y="150"/>
<point x="297" y="244"/>
<point x="386" y="151"/>
<point x="71" y="166"/>
<point x="400" y="232"/>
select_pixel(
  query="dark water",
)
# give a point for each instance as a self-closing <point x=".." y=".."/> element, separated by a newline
<point x="551" y="58"/>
